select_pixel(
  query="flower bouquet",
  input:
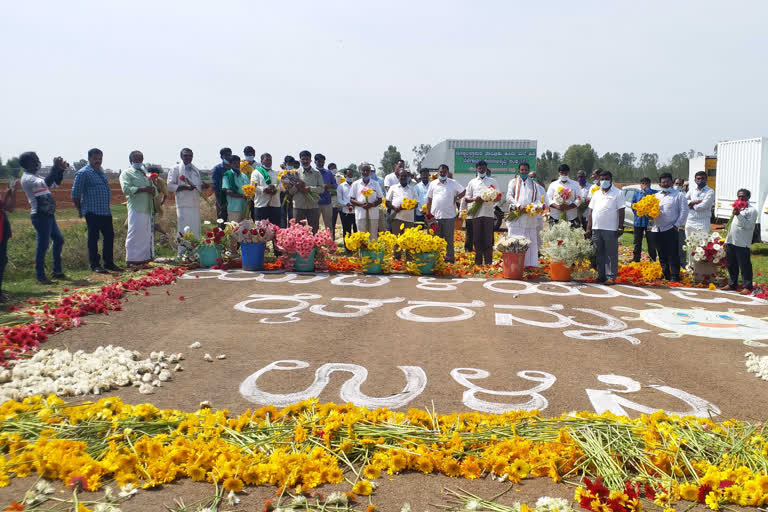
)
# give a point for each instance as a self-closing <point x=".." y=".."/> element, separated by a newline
<point x="375" y="255"/>
<point x="303" y="249"/>
<point x="217" y="245"/>
<point x="188" y="243"/>
<point x="564" y="246"/>
<point x="531" y="210"/>
<point x="489" y="195"/>
<point x="707" y="253"/>
<point x="407" y="204"/>
<point x="739" y="206"/>
<point x="188" y="183"/>
<point x="426" y="249"/>
<point x="647" y="207"/>
<point x="290" y="178"/>
<point x="161" y="186"/>
<point x="250" y="232"/>
<point x="248" y="191"/>
<point x="563" y="196"/>
<point x="513" y="251"/>
<point x="515" y="244"/>
<point x="367" y="192"/>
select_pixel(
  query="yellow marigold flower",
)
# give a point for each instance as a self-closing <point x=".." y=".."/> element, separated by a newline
<point x="470" y="468"/>
<point x="233" y="484"/>
<point x="196" y="473"/>
<point x="689" y="492"/>
<point x="371" y="472"/>
<point x="334" y="475"/>
<point x="397" y="463"/>
<point x="363" y="488"/>
<point x="520" y="468"/>
<point x="423" y="464"/>
<point x="451" y="467"/>
<point x="299" y="434"/>
<point x="713" y="500"/>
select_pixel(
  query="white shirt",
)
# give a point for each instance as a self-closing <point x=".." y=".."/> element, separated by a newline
<point x="34" y="186"/>
<point x="475" y="188"/>
<point x="395" y="197"/>
<point x="390" y="180"/>
<point x="605" y="206"/>
<point x="185" y="198"/>
<point x="356" y="193"/>
<point x="673" y="210"/>
<point x="575" y="191"/>
<point x="261" y="199"/>
<point x="742" y="228"/>
<point x="342" y="196"/>
<point x="521" y="193"/>
<point x="699" y="215"/>
<point x="443" y="197"/>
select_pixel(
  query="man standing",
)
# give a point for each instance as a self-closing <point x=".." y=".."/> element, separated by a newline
<point x="91" y="195"/>
<point x="248" y="162"/>
<point x="673" y="210"/>
<point x="539" y="218"/>
<point x="307" y="191"/>
<point x="366" y="206"/>
<point x="139" y="193"/>
<point x="738" y="242"/>
<point x="267" y="199"/>
<point x="581" y="179"/>
<point x="605" y="224"/>
<point x="569" y="207"/>
<point x="482" y="220"/>
<point x="700" y="201"/>
<point x="232" y="185"/>
<point x="522" y="192"/>
<point x="641" y="224"/>
<point x="680" y="187"/>
<point x="217" y="176"/>
<point x="392" y="178"/>
<point x="442" y="195"/>
<point x="185" y="182"/>
<point x="421" y="190"/>
<point x="402" y="219"/>
<point x="346" y="210"/>
<point x="7" y="205"/>
<point x="329" y="183"/>
<point x="42" y="209"/>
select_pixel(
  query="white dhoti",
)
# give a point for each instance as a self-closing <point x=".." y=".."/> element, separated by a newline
<point x="188" y="217"/>
<point x="530" y="231"/>
<point x="140" y="240"/>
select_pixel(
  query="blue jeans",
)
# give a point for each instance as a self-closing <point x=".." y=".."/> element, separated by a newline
<point x="47" y="230"/>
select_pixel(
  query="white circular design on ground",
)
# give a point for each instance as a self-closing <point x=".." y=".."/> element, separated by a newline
<point x="707" y="324"/>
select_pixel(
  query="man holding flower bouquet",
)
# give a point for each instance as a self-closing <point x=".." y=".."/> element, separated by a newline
<point x="605" y="223"/>
<point x="306" y="190"/>
<point x="562" y="197"/>
<point x="442" y="195"/>
<point x="185" y="183"/>
<point x="365" y="195"/>
<point x="525" y="208"/>
<point x="481" y="198"/>
<point x="738" y="242"/>
<point x="673" y="212"/>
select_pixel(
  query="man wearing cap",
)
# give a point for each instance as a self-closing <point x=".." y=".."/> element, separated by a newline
<point x="329" y="186"/>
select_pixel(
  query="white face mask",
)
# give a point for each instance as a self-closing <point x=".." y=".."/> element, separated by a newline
<point x="250" y="159"/>
<point x="605" y="184"/>
<point x="137" y="166"/>
<point x="563" y="178"/>
<point x="481" y="175"/>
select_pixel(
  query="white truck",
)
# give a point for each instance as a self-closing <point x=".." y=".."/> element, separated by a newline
<point x="503" y="158"/>
<point x="743" y="164"/>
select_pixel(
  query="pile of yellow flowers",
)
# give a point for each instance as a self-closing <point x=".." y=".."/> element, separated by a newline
<point x="409" y="204"/>
<point x="647" y="206"/>
<point x="249" y="191"/>
<point x="309" y="444"/>
<point x="361" y="240"/>
<point x="417" y="240"/>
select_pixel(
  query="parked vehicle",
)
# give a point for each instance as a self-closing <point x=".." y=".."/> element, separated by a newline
<point x="629" y="213"/>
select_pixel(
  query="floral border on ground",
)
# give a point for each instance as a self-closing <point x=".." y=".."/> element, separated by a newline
<point x="658" y="457"/>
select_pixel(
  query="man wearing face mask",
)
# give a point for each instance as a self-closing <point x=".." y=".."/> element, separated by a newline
<point x="185" y="182"/>
<point x="539" y="218"/>
<point x="482" y="221"/>
<point x="421" y="189"/>
<point x="366" y="207"/>
<point x="570" y="207"/>
<point x="679" y="186"/>
<point x="605" y="224"/>
<point x="673" y="212"/>
<point x="442" y="195"/>
<point x="521" y="192"/>
<point x="700" y="201"/>
<point x="307" y="191"/>
<point x="401" y="219"/>
<point x="641" y="224"/>
<point x="139" y="193"/>
<point x="42" y="208"/>
<point x="217" y="176"/>
<point x="581" y="179"/>
<point x="329" y="186"/>
<point x="346" y="210"/>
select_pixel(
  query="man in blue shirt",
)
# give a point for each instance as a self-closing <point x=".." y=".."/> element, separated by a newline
<point x="324" y="203"/>
<point x="217" y="175"/>
<point x="641" y="224"/>
<point x="91" y="195"/>
<point x="673" y="212"/>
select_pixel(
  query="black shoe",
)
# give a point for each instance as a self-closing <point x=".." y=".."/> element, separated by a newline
<point x="59" y="275"/>
<point x="4" y="297"/>
<point x="100" y="270"/>
<point x="45" y="280"/>
<point x="114" y="268"/>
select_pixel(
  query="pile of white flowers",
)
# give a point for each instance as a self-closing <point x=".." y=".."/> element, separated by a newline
<point x="64" y="373"/>
<point x="699" y="243"/>
<point x="757" y="365"/>
<point x="516" y="243"/>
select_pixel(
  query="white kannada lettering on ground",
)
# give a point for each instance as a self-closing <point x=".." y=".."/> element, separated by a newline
<point x="416" y="381"/>
<point x="407" y="313"/>
<point x="603" y="400"/>
<point x="607" y="400"/>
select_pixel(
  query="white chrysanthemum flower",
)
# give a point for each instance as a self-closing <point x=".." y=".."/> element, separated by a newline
<point x="219" y="221"/>
<point x="232" y="499"/>
<point x="473" y="505"/>
<point x="127" y="490"/>
<point x="337" y="498"/>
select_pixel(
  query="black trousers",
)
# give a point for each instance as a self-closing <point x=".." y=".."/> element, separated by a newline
<point x="348" y="224"/>
<point x="3" y="260"/>
<point x="639" y="232"/>
<point x="739" y="260"/>
<point x="100" y="225"/>
<point x="482" y="231"/>
<point x="221" y="212"/>
<point x="668" y="247"/>
<point x="468" y="243"/>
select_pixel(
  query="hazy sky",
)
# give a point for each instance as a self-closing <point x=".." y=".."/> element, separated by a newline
<point x="349" y="78"/>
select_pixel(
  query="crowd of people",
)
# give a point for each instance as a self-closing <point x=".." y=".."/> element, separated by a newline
<point x="311" y="193"/>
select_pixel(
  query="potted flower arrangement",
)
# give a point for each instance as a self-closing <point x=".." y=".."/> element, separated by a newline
<point x="253" y="238"/>
<point x="564" y="246"/>
<point x="707" y="253"/>
<point x="426" y="250"/>
<point x="301" y="249"/>
<point x="375" y="255"/>
<point x="513" y="251"/>
<point x="216" y="245"/>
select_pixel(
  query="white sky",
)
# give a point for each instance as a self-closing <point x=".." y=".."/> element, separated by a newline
<point x="349" y="78"/>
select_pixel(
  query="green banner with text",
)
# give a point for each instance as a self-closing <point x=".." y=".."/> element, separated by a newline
<point x="500" y="161"/>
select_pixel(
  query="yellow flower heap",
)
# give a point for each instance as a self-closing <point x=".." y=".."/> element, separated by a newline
<point x="416" y="240"/>
<point x="309" y="444"/>
<point x="382" y="247"/>
<point x="647" y="206"/>
<point x="409" y="204"/>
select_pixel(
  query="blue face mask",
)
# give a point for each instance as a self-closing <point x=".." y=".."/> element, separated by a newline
<point x="481" y="175"/>
<point x="678" y="187"/>
<point x="442" y="178"/>
<point x="524" y="175"/>
<point x="605" y="184"/>
<point x="366" y="179"/>
<point x="665" y="189"/>
<point x="137" y="166"/>
<point x="701" y="184"/>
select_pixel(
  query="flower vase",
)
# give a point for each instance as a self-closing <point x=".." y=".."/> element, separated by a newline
<point x="208" y="255"/>
<point x="252" y="255"/>
<point x="371" y="261"/>
<point x="425" y="261"/>
<point x="304" y="264"/>
<point x="559" y="272"/>
<point x="513" y="265"/>
<point x="704" y="271"/>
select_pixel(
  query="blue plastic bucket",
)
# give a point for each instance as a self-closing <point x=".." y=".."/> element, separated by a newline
<point x="425" y="261"/>
<point x="374" y="266"/>
<point x="253" y="255"/>
<point x="304" y="264"/>
<point x="208" y="255"/>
